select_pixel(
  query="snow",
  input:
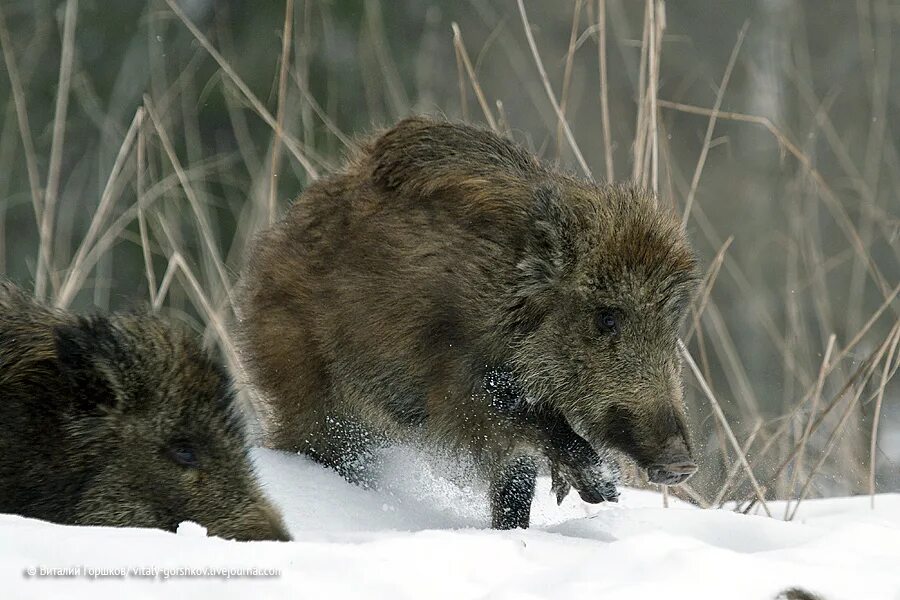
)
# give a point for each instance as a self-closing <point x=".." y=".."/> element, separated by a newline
<point x="423" y="534"/>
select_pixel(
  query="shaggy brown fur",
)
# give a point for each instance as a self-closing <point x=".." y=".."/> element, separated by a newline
<point x="448" y="281"/>
<point x="797" y="594"/>
<point x="120" y="421"/>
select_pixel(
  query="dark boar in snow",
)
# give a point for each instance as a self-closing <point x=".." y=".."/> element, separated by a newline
<point x="120" y="420"/>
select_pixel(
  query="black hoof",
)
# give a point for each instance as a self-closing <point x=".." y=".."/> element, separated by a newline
<point x="595" y="483"/>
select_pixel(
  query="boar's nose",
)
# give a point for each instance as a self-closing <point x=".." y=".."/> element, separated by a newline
<point x="279" y="533"/>
<point x="674" y="465"/>
<point x="274" y="528"/>
<point x="259" y="524"/>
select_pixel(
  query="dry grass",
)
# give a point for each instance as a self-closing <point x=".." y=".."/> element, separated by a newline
<point x="837" y="362"/>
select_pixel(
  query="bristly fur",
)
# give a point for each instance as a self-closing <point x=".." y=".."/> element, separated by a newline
<point x="796" y="593"/>
<point x="444" y="254"/>
<point x="92" y="410"/>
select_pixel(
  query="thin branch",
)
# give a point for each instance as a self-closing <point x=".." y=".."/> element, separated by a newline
<point x="861" y="372"/>
<point x="832" y="202"/>
<point x="18" y="95"/>
<point x="282" y="97"/>
<point x="604" y="91"/>
<point x="567" y="74"/>
<point x="874" y="442"/>
<point x="290" y="141"/>
<point x="712" y="274"/>
<point x="745" y="449"/>
<point x="721" y="416"/>
<point x="67" y="58"/>
<point x="695" y="181"/>
<point x="640" y="126"/>
<point x="820" y="382"/>
<point x="142" y="220"/>
<point x="657" y="26"/>
<point x="196" y="206"/>
<point x="473" y="79"/>
<point x="548" y="88"/>
<point x="75" y="276"/>
<point x="847" y="412"/>
<point x="115" y="229"/>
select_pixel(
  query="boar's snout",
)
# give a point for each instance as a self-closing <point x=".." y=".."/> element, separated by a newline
<point x="674" y="465"/>
<point x="259" y="523"/>
<point x="275" y="531"/>
<point x="269" y="527"/>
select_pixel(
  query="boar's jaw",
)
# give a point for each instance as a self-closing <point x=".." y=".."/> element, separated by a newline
<point x="668" y="463"/>
<point x="671" y="474"/>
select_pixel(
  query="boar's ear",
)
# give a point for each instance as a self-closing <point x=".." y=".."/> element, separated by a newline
<point x="550" y="252"/>
<point x="81" y="349"/>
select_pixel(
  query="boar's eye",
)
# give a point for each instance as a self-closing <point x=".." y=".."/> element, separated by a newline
<point x="184" y="454"/>
<point x="608" y="321"/>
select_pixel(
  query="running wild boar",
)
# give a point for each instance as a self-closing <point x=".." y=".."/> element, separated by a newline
<point x="448" y="283"/>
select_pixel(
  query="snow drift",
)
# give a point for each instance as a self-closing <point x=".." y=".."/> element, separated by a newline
<point x="423" y="535"/>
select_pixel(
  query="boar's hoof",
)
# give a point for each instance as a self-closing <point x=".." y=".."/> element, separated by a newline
<point x="595" y="483"/>
<point x="605" y="491"/>
<point x="671" y="474"/>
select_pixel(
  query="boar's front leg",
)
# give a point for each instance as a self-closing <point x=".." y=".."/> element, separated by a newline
<point x="512" y="491"/>
<point x="574" y="462"/>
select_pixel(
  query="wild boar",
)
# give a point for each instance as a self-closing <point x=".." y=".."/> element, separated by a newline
<point x="120" y="420"/>
<point x="447" y="281"/>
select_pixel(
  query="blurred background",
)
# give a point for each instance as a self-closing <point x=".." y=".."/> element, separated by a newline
<point x="144" y="142"/>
